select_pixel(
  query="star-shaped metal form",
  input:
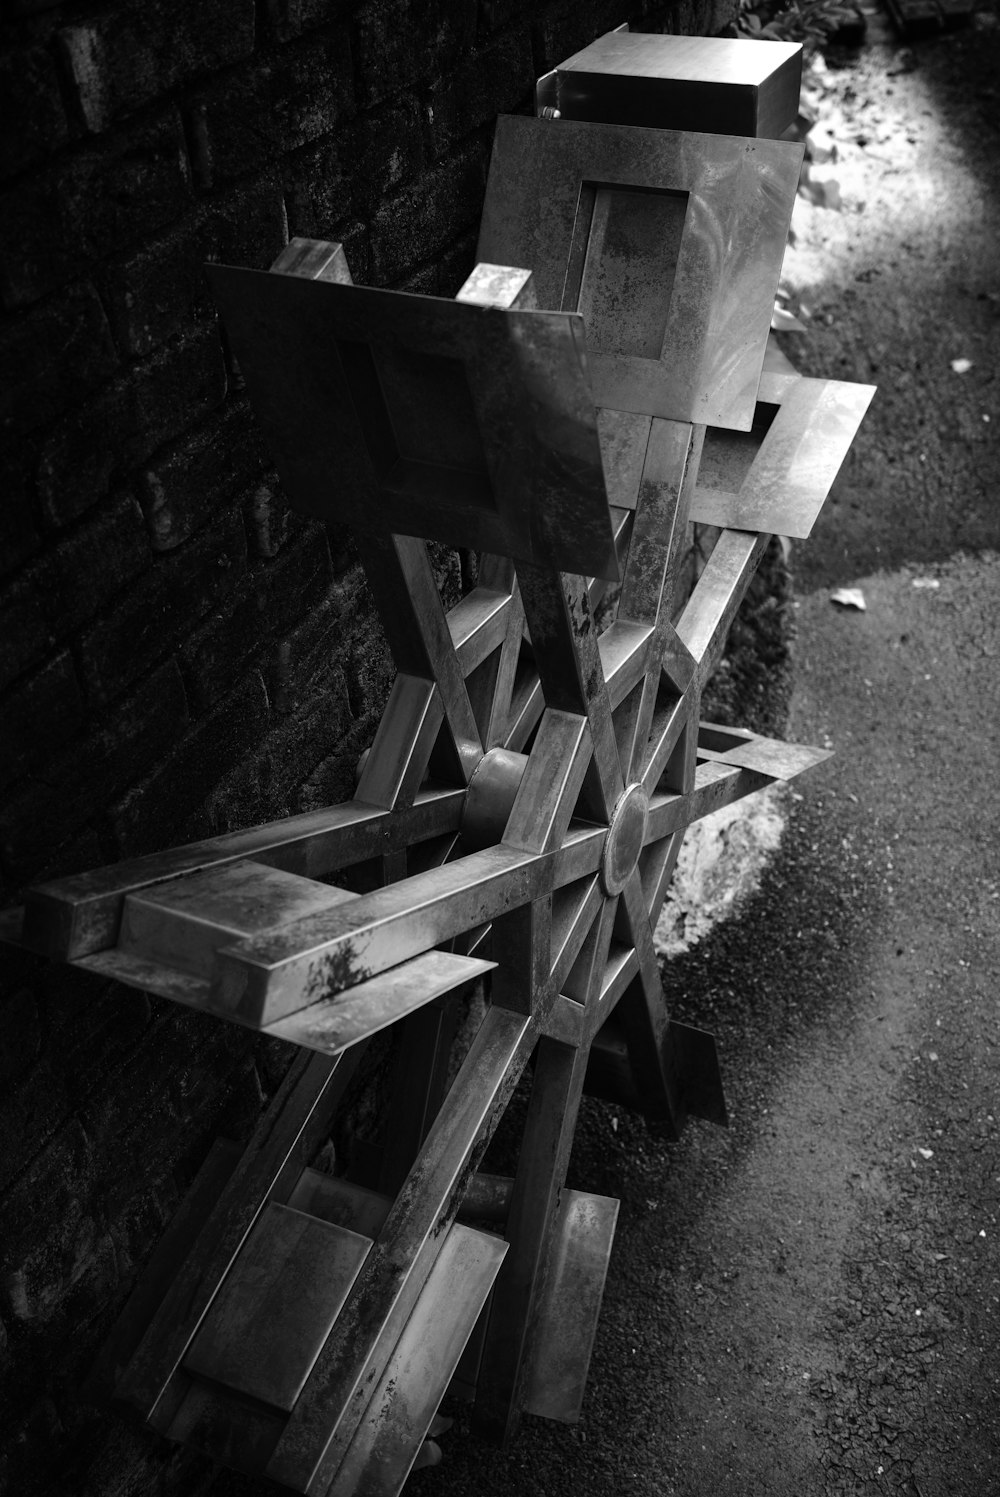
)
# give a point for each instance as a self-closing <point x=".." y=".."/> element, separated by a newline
<point x="520" y="813"/>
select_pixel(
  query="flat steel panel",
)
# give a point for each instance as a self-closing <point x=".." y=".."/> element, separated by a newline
<point x="778" y="481"/>
<point x="714" y="84"/>
<point x="553" y="189"/>
<point x="770" y="756"/>
<point x="340" y="1202"/>
<point x="418" y="1372"/>
<point x="567" y="1316"/>
<point x="414" y="415"/>
<point x="331" y="1024"/>
<point x="227" y="1428"/>
<point x="268" y="1322"/>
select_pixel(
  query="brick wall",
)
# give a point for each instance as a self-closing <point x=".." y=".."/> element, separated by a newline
<point x="178" y="654"/>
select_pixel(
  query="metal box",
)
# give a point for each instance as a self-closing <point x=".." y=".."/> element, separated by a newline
<point x="708" y="84"/>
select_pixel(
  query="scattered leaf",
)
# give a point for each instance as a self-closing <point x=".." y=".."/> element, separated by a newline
<point x="820" y="145"/>
<point x="784" y="322"/>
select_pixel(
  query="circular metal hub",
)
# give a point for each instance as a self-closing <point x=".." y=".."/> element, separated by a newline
<point x="625" y="839"/>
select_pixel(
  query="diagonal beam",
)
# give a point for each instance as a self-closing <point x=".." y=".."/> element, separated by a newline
<point x="564" y="642"/>
<point x="704" y="625"/>
<point x="404" y="740"/>
<point x="550" y="784"/>
<point x="402" y="581"/>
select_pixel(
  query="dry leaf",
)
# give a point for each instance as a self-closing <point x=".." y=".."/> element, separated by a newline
<point x="784" y="322"/>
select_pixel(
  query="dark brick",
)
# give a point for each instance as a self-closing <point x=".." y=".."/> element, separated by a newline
<point x="317" y="187"/>
<point x="95" y="561"/>
<point x="171" y="1087"/>
<point x="32" y="118"/>
<point x="388" y="151"/>
<point x="308" y="654"/>
<point x="65" y="587"/>
<point x="281" y="103"/>
<point x="51" y="357"/>
<point x="95" y="447"/>
<point x="35" y="1108"/>
<point x="456" y="264"/>
<point x="423" y="282"/>
<point x="39" y="1215"/>
<point x="40" y="716"/>
<point x="73" y="788"/>
<point x="271" y="524"/>
<point x="25" y="637"/>
<point x="101" y="200"/>
<point x="91" y="1025"/>
<point x="498" y="80"/>
<point x="268" y="783"/>
<point x="187" y="483"/>
<point x="22" y="1036"/>
<point x="419" y="222"/>
<point x="161" y="609"/>
<point x="136" y="53"/>
<point x="498" y="15"/>
<point x="19" y="536"/>
<point x="565" y="29"/>
<point x="162" y="290"/>
<point x="76" y="854"/>
<point x="153" y="815"/>
<point x="268" y="602"/>
<point x="290" y="18"/>
<point x="365" y="657"/>
<point x="335" y="778"/>
<point x="356" y="240"/>
<point x="402" y="44"/>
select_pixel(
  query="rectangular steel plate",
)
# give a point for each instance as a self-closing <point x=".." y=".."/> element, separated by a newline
<point x="776" y="479"/>
<point x="269" y="1320"/>
<point x="567" y="1318"/>
<point x="419" y="416"/>
<point x="672" y="241"/>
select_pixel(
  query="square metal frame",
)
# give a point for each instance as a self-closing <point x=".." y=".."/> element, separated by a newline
<point x="740" y="193"/>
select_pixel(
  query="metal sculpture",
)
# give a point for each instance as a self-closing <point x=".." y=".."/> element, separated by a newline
<point x="520" y="810"/>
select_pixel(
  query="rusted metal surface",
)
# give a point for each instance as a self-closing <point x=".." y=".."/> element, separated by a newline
<point x="564" y="1338"/>
<point x="268" y="1323"/>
